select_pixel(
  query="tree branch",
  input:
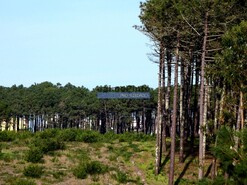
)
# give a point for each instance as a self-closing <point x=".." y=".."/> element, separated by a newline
<point x="190" y="24"/>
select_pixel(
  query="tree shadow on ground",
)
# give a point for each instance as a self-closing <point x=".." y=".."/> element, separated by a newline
<point x="167" y="158"/>
<point x="185" y="169"/>
<point x="208" y="170"/>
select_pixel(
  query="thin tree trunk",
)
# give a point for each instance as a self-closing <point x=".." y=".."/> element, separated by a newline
<point x="181" y="116"/>
<point x="241" y="109"/>
<point x="216" y="110"/>
<point x="202" y="129"/>
<point x="168" y="91"/>
<point x="164" y="147"/>
<point x="238" y="125"/>
<point x="222" y="102"/>
<point x="159" y="113"/>
<point x="174" y="119"/>
<point x="205" y="110"/>
<point x="196" y="107"/>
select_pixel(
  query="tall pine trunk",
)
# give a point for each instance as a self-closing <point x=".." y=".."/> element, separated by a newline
<point x="164" y="124"/>
<point x="159" y="118"/>
<point x="181" y="114"/>
<point x="202" y="128"/>
<point x="174" y="118"/>
<point x="168" y="91"/>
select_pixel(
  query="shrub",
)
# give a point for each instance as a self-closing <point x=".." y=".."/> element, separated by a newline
<point x="47" y="133"/>
<point x="110" y="136"/>
<point x="7" y="157"/>
<point x="34" y="171"/>
<point x="34" y="155"/>
<point x="58" y="174"/>
<point x="68" y="134"/>
<point x="95" y="167"/>
<point x="23" y="182"/>
<point x="121" y="177"/>
<point x="92" y="168"/>
<point x="80" y="171"/>
<point x="88" y="136"/>
<point x="130" y="137"/>
<point x="7" y="136"/>
<point x="48" y="145"/>
<point x="24" y="134"/>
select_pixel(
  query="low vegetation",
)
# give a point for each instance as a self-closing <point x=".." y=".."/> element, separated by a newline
<point x="74" y="156"/>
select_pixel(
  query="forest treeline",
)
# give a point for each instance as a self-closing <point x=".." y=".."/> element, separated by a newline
<point x="47" y="105"/>
<point x="201" y="50"/>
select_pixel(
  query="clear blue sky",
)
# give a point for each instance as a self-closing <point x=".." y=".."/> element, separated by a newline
<point x="84" y="42"/>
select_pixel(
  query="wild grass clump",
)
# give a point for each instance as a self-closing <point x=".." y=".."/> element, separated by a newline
<point x="34" y="171"/>
<point x="89" y="168"/>
<point x="7" y="136"/>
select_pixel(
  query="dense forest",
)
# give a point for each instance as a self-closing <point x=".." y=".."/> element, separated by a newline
<point x="55" y="106"/>
<point x="200" y="47"/>
<point x="199" y="107"/>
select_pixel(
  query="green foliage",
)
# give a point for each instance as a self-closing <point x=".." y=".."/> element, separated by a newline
<point x="34" y="155"/>
<point x="233" y="160"/>
<point x="34" y="171"/>
<point x="7" y="156"/>
<point x="47" y="145"/>
<point x="95" y="167"/>
<point x="7" y="136"/>
<point x="58" y="174"/>
<point x="24" y="134"/>
<point x="23" y="182"/>
<point x="80" y="171"/>
<point x="231" y="63"/>
<point x="88" y="136"/>
<point x="110" y="137"/>
<point x="47" y="134"/>
<point x="91" y="168"/>
<point x="225" y="148"/>
<point x="68" y="134"/>
<point x="121" y="177"/>
<point x="131" y="137"/>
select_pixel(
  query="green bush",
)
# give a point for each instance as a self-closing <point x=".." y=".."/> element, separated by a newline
<point x="110" y="136"/>
<point x="92" y="168"/>
<point x="95" y="167"/>
<point x="48" y="145"/>
<point x="23" y="182"/>
<point x="7" y="136"/>
<point x="68" y="134"/>
<point x="88" y="136"/>
<point x="34" y="155"/>
<point x="121" y="177"/>
<point x="47" y="133"/>
<point x="131" y="137"/>
<point x="80" y="171"/>
<point x="24" y="134"/>
<point x="34" y="171"/>
<point x="7" y="157"/>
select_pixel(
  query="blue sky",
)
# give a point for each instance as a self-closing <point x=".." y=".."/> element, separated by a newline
<point x="84" y="42"/>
